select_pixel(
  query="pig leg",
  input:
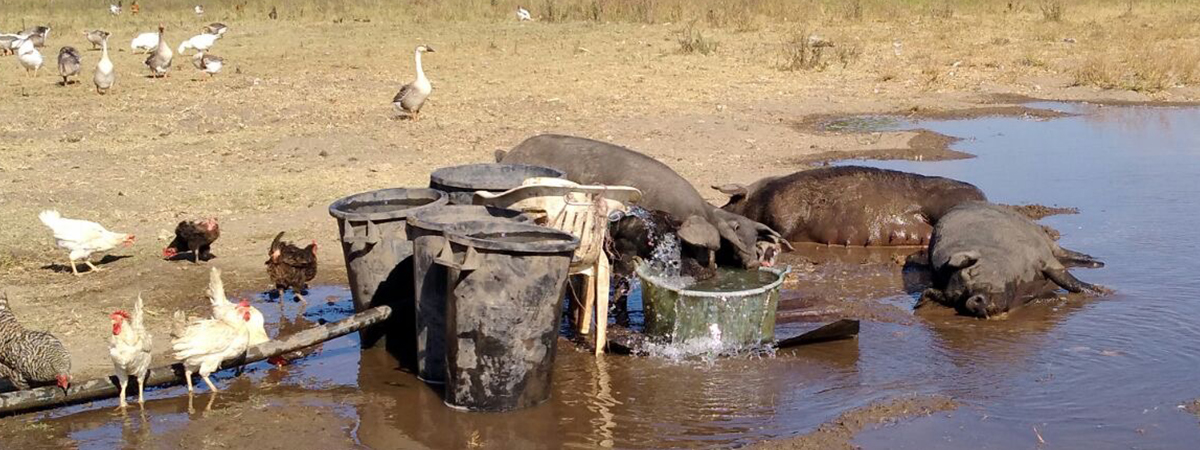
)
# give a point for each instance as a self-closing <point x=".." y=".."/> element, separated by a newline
<point x="1063" y="278"/>
<point x="931" y="296"/>
<point x="1071" y="258"/>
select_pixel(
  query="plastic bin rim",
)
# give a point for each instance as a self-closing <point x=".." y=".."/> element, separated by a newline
<point x="439" y="199"/>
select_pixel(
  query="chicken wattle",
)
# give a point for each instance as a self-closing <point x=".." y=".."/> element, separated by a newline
<point x="129" y="347"/>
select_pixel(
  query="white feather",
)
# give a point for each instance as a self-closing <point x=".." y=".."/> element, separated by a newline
<point x="145" y="41"/>
<point x="200" y="42"/>
<point x="30" y="58"/>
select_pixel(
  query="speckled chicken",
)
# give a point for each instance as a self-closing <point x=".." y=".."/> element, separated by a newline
<point x="291" y="267"/>
<point x="30" y="358"/>
<point x="196" y="237"/>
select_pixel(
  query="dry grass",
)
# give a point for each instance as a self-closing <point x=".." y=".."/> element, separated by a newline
<point x="1053" y="10"/>
<point x="801" y="51"/>
<point x="692" y="40"/>
<point x="1153" y="71"/>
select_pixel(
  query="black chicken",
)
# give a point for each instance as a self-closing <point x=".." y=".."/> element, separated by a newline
<point x="291" y="267"/>
<point x="196" y="237"/>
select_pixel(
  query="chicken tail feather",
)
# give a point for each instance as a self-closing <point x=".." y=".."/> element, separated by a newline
<point x="49" y="217"/>
<point x="277" y="243"/>
<point x="216" y="288"/>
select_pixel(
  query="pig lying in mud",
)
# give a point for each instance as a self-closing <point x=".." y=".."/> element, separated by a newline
<point x="587" y="161"/>
<point x="987" y="259"/>
<point x="852" y="206"/>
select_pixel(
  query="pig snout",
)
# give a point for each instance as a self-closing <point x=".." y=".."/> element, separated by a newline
<point x="977" y="305"/>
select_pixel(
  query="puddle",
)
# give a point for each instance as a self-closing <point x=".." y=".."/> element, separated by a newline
<point x="1109" y="371"/>
<point x="1106" y="372"/>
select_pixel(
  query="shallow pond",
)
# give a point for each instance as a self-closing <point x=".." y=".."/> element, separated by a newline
<point x="1108" y="372"/>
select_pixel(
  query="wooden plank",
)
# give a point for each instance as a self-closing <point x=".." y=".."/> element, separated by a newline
<point x="842" y="329"/>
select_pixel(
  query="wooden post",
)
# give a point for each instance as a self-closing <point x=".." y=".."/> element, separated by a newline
<point x="52" y="396"/>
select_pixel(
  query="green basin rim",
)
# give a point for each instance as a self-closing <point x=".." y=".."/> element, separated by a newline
<point x="779" y="273"/>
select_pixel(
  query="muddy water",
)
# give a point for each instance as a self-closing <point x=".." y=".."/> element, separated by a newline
<point x="1096" y="373"/>
<point x="1099" y="373"/>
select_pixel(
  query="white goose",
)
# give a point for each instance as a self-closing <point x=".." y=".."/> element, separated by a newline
<point x="523" y="14"/>
<point x="210" y="64"/>
<point x="30" y="58"/>
<point x="413" y="95"/>
<point x="105" y="76"/>
<point x="145" y="42"/>
<point x="200" y="42"/>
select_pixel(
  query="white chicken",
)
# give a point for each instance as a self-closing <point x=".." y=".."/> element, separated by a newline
<point x="115" y="9"/>
<point x="144" y="42"/>
<point x="200" y="42"/>
<point x="523" y="14"/>
<point x="223" y="308"/>
<point x="82" y="237"/>
<point x="129" y="348"/>
<point x="202" y="344"/>
<point x="30" y="58"/>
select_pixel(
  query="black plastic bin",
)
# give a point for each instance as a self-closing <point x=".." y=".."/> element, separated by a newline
<point x="461" y="182"/>
<point x="427" y="230"/>
<point x="377" y="250"/>
<point x="505" y="287"/>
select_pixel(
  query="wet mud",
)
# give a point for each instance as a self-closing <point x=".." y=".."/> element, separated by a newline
<point x="1067" y="372"/>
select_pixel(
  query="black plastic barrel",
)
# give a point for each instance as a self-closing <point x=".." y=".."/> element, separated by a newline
<point x="506" y="283"/>
<point x="377" y="250"/>
<point x="426" y="229"/>
<point x="461" y="182"/>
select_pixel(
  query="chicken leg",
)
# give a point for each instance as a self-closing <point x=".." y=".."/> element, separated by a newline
<point x="142" y="388"/>
<point x="210" y="384"/>
<point x="90" y="265"/>
<point x="73" y="269"/>
<point x="123" y="380"/>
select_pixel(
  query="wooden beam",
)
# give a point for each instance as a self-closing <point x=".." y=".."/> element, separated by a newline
<point x="45" y="397"/>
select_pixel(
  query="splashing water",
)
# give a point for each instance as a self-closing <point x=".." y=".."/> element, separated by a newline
<point x="667" y="251"/>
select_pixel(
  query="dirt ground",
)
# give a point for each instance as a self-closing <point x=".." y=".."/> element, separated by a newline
<point x="301" y="116"/>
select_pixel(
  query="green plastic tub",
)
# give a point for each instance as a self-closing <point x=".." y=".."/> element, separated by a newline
<point x="739" y="319"/>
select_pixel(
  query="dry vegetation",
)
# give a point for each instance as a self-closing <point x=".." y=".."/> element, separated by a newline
<point x="301" y="114"/>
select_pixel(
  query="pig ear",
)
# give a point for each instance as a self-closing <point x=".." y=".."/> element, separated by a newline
<point x="963" y="259"/>
<point x="733" y="189"/>
<point x="746" y="252"/>
<point x="773" y="236"/>
<point x="698" y="232"/>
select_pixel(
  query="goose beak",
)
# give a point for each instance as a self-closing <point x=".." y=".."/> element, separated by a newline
<point x="429" y="49"/>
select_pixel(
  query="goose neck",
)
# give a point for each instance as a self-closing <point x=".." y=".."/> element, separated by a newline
<point x="420" y="71"/>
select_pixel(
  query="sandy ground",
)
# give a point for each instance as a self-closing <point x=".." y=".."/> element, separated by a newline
<point x="301" y="116"/>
